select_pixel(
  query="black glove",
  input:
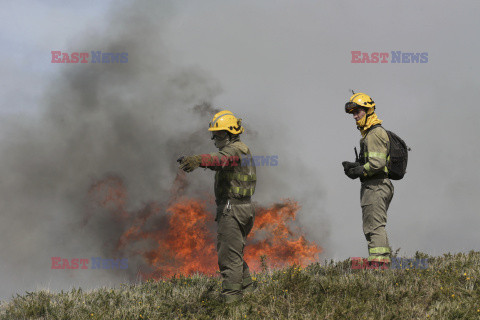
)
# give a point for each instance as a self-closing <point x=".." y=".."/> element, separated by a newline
<point x="348" y="165"/>
<point x="190" y="163"/>
<point x="356" y="172"/>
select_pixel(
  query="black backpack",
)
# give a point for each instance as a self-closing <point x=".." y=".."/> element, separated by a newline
<point x="397" y="166"/>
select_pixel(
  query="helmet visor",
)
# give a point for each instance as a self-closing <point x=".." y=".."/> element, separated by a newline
<point x="351" y="106"/>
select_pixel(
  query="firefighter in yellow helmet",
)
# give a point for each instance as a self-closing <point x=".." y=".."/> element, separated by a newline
<point x="371" y="167"/>
<point x="235" y="181"/>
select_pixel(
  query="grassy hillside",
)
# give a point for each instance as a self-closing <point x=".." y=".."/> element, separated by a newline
<point x="448" y="289"/>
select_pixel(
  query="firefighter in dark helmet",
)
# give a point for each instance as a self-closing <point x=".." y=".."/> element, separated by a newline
<point x="371" y="167"/>
<point x="235" y="180"/>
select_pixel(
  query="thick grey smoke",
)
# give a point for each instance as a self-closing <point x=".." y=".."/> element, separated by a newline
<point x="123" y="123"/>
<point x="128" y="121"/>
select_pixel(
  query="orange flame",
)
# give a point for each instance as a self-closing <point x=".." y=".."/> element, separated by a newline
<point x="179" y="237"/>
<point x="187" y="246"/>
<point x="282" y="243"/>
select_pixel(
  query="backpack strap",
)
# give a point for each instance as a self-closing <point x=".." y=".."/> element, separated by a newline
<point x="372" y="127"/>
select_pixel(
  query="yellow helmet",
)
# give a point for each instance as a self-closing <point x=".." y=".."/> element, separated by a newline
<point x="358" y="100"/>
<point x="225" y="120"/>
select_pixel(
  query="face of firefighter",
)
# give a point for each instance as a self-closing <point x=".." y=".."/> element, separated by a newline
<point x="358" y="114"/>
<point x="221" y="138"/>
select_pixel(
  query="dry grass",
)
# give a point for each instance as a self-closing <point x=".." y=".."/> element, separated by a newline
<point x="448" y="289"/>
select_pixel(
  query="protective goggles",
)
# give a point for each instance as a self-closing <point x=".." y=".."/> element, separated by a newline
<point x="219" y="135"/>
<point x="350" y="107"/>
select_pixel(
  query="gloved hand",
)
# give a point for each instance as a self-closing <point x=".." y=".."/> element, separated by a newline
<point x="190" y="163"/>
<point x="347" y="165"/>
<point x="356" y="172"/>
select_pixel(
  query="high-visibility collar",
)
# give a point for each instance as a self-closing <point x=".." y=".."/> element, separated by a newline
<point x="367" y="122"/>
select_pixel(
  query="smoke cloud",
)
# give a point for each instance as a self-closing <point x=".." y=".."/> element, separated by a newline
<point x="128" y="121"/>
<point x="123" y="124"/>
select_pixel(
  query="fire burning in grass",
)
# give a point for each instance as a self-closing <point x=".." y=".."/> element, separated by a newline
<point x="179" y="237"/>
<point x="275" y="236"/>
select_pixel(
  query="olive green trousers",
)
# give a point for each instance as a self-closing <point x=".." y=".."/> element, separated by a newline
<point x="375" y="198"/>
<point x="234" y="224"/>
